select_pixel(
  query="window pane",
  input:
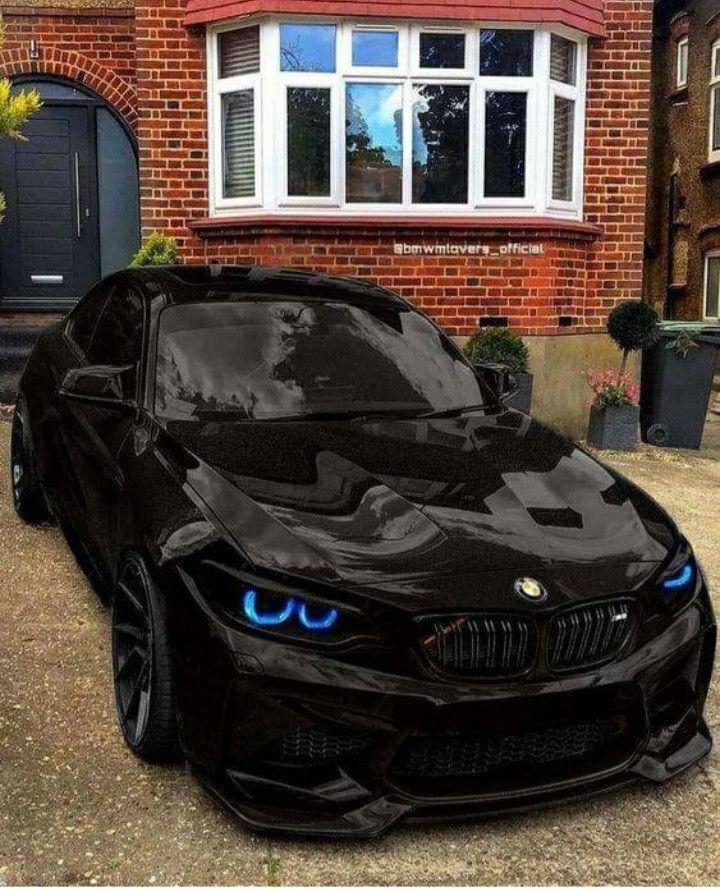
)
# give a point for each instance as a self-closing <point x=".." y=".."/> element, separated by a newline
<point x="238" y="120"/>
<point x="712" y="289"/>
<point x="563" y="59"/>
<point x="440" y="144"/>
<point x="118" y="336"/>
<point x="716" y="66"/>
<point x="374" y="142"/>
<point x="716" y="119"/>
<point x="239" y="51"/>
<point x="505" y="137"/>
<point x="563" y="139"/>
<point x="308" y="133"/>
<point x="375" y="49"/>
<point x="307" y="47"/>
<point x="506" y="53"/>
<point x="682" y="62"/>
<point x="442" y="50"/>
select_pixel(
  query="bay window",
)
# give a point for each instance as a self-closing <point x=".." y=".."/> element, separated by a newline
<point x="329" y="116"/>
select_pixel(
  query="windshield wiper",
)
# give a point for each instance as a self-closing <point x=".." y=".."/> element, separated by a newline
<point x="350" y="415"/>
<point x="451" y="412"/>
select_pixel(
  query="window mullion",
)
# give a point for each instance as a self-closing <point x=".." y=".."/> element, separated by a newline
<point x="407" y="143"/>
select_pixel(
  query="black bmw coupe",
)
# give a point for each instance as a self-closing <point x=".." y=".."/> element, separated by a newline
<point x="348" y="584"/>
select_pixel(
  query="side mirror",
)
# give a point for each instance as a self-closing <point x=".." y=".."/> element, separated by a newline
<point x="103" y="385"/>
<point x="499" y="378"/>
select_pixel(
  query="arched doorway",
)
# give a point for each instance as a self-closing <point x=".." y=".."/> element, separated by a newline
<point x="72" y="198"/>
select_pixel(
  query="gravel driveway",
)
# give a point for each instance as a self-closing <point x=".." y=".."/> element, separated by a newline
<point x="77" y="808"/>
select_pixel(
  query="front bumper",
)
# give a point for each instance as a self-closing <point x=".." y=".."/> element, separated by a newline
<point x="292" y="741"/>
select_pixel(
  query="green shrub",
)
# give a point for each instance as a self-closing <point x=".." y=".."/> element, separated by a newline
<point x="158" y="250"/>
<point x="498" y="345"/>
<point x="633" y="325"/>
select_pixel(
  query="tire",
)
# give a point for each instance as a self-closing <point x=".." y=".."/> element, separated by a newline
<point x="28" y="498"/>
<point x="142" y="669"/>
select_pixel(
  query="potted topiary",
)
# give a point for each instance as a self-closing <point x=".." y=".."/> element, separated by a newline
<point x="614" y="413"/>
<point x="502" y="347"/>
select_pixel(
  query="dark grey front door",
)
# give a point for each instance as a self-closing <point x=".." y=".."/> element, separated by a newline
<point x="49" y="251"/>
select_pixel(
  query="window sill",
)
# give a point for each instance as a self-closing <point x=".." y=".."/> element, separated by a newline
<point x="219" y="227"/>
<point x="678" y="96"/>
<point x="710" y="170"/>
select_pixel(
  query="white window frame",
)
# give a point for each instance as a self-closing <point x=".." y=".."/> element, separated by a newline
<point x="270" y="92"/>
<point x="706" y="280"/>
<point x="576" y="93"/>
<point x="682" y="54"/>
<point x="223" y="86"/>
<point x="713" y="153"/>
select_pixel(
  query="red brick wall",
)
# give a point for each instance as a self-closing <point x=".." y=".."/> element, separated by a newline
<point x="578" y="275"/>
<point x="616" y="150"/>
<point x="94" y="46"/>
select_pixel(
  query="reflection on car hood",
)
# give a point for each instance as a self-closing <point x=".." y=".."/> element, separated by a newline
<point x="365" y="502"/>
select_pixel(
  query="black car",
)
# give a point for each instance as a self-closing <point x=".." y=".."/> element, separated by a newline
<point x="348" y="584"/>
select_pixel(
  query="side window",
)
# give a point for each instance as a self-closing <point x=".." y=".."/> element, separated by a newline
<point x="118" y="336"/>
<point x="83" y="319"/>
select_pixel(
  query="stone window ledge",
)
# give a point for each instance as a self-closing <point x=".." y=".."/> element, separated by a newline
<point x="220" y="227"/>
<point x="710" y="170"/>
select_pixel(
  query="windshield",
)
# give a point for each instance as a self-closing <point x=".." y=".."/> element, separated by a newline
<point x="291" y="358"/>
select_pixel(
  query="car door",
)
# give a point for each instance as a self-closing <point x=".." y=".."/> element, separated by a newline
<point x="98" y="432"/>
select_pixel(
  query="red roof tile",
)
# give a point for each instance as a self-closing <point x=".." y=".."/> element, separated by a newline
<point x="584" y="15"/>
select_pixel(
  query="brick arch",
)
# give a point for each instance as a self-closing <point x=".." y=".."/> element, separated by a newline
<point x="78" y="68"/>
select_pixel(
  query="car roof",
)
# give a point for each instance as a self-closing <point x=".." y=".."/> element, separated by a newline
<point x="216" y="282"/>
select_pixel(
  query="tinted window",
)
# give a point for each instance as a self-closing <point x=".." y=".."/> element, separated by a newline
<point x="296" y="358"/>
<point x="442" y="50"/>
<point x="441" y="118"/>
<point x="118" y="336"/>
<point x="505" y="53"/>
<point x="84" y="317"/>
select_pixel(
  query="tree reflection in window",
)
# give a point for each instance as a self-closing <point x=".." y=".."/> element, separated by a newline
<point x="374" y="142"/>
<point x="505" y="141"/>
<point x="440" y="144"/>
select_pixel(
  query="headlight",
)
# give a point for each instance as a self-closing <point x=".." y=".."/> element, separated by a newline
<point x="264" y="614"/>
<point x="275" y="608"/>
<point x="678" y="581"/>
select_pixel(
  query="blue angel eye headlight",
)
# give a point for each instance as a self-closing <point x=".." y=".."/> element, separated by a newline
<point x="680" y="579"/>
<point x="264" y="618"/>
<point x="319" y="623"/>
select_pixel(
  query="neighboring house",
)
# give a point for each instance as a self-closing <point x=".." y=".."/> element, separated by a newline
<point x="683" y="230"/>
<point x="485" y="159"/>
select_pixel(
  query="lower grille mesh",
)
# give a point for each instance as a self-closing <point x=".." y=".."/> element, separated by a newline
<point x="588" y="634"/>
<point x="486" y="646"/>
<point x="315" y="745"/>
<point x="486" y="754"/>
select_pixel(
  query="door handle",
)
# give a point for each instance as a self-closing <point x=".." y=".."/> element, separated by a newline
<point x="78" y="217"/>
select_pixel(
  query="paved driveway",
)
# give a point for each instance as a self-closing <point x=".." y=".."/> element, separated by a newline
<point x="77" y="808"/>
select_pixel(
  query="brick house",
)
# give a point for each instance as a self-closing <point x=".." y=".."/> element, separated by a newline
<point x="683" y="230"/>
<point x="486" y="159"/>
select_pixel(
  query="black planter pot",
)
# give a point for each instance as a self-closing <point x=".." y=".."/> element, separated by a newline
<point x="522" y="400"/>
<point x="614" y="427"/>
<point x="675" y="390"/>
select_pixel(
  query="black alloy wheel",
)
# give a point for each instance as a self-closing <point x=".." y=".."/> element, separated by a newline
<point x="28" y="497"/>
<point x="142" y="668"/>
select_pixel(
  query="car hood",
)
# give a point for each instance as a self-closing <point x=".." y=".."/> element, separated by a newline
<point x="380" y="502"/>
